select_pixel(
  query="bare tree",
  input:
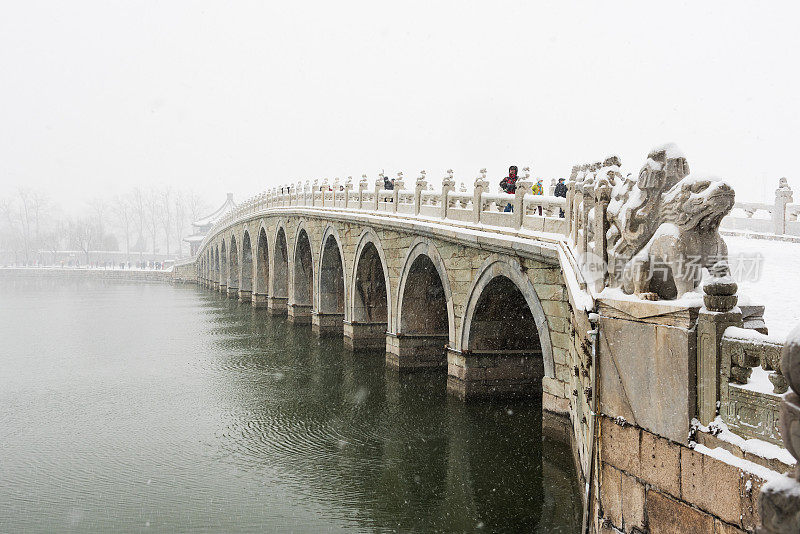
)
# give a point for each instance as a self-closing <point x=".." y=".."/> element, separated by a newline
<point x="165" y="214"/>
<point x="195" y="205"/>
<point x="152" y="207"/>
<point x="25" y="216"/>
<point x="85" y="234"/>
<point x="124" y="212"/>
<point x="39" y="205"/>
<point x="99" y="213"/>
<point x="180" y="220"/>
<point x="139" y="208"/>
<point x="53" y="238"/>
<point x="10" y="232"/>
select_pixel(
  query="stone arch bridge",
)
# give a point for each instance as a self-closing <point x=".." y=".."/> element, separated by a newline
<point x="450" y="281"/>
<point x="488" y="305"/>
<point x="487" y="288"/>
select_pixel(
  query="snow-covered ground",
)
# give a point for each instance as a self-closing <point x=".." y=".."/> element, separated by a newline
<point x="768" y="274"/>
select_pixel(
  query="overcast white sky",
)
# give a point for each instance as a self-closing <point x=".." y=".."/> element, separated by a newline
<point x="238" y="96"/>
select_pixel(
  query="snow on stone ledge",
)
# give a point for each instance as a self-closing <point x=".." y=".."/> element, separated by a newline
<point x="757" y="447"/>
<point x="745" y="465"/>
<point x="758" y="382"/>
<point x="691" y="299"/>
<point x="753" y="336"/>
<point x="784" y="485"/>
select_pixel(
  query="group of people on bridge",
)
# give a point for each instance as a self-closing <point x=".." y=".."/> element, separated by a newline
<point x="509" y="185"/>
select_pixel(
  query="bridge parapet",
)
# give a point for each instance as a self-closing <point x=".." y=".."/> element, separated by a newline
<point x="540" y="212"/>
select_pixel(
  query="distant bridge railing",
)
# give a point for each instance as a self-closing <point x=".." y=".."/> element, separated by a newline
<point x="779" y="218"/>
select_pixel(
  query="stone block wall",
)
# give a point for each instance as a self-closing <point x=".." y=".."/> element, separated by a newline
<point x="650" y="484"/>
<point x="186" y="273"/>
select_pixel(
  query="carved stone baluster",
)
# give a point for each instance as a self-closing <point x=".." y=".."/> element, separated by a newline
<point x="378" y="186"/>
<point x="602" y="196"/>
<point x="314" y="190"/>
<point x="523" y="186"/>
<point x="348" y="186"/>
<point x="448" y="184"/>
<point x="419" y="187"/>
<point x="362" y="186"/>
<point x="481" y="185"/>
<point x="398" y="187"/>
<point x="570" y="199"/>
<point x="576" y="212"/>
<point x="783" y="196"/>
<point x="336" y="194"/>
<point x="718" y="313"/>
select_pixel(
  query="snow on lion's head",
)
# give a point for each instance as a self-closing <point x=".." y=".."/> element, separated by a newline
<point x="699" y="202"/>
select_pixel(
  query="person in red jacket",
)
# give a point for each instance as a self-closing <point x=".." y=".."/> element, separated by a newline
<point x="509" y="185"/>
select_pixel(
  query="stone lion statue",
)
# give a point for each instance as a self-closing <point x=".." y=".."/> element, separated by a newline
<point x="686" y="240"/>
<point x="636" y="202"/>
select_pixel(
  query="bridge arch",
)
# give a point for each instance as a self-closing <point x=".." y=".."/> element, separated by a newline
<point x="246" y="276"/>
<point x="280" y="264"/>
<point x="302" y="272"/>
<point x="261" y="275"/>
<point x="215" y="265"/>
<point x="370" y="293"/>
<point x="423" y="248"/>
<point x="424" y="318"/>
<point x="233" y="265"/>
<point x="502" y="286"/>
<point x="223" y="262"/>
<point x="331" y="284"/>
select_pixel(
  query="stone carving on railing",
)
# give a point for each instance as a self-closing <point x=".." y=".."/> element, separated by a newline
<point x="780" y="498"/>
<point x="419" y="187"/>
<point x="664" y="227"/>
<point x="481" y="186"/>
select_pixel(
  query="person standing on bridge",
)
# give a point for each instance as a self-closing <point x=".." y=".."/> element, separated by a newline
<point x="509" y="185"/>
<point x="538" y="189"/>
<point x="561" y="191"/>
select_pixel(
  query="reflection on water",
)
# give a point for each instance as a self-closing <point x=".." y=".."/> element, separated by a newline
<point x="162" y="408"/>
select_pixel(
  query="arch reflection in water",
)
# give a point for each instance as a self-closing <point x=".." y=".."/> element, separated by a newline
<point x="202" y="413"/>
<point x="395" y="447"/>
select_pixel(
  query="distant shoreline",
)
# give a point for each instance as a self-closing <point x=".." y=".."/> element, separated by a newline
<point x="76" y="273"/>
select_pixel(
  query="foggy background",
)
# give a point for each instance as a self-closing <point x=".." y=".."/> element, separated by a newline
<point x="103" y="101"/>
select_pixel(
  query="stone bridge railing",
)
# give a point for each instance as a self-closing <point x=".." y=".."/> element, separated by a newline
<point x="577" y="217"/>
<point x="751" y="383"/>
<point x="533" y="212"/>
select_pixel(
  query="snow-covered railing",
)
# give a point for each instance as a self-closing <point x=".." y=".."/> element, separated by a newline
<point x="751" y="383"/>
<point x="780" y="217"/>
<point x="522" y="209"/>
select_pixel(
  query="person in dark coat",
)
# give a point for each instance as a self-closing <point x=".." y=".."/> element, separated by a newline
<point x="509" y="185"/>
<point x="561" y="191"/>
